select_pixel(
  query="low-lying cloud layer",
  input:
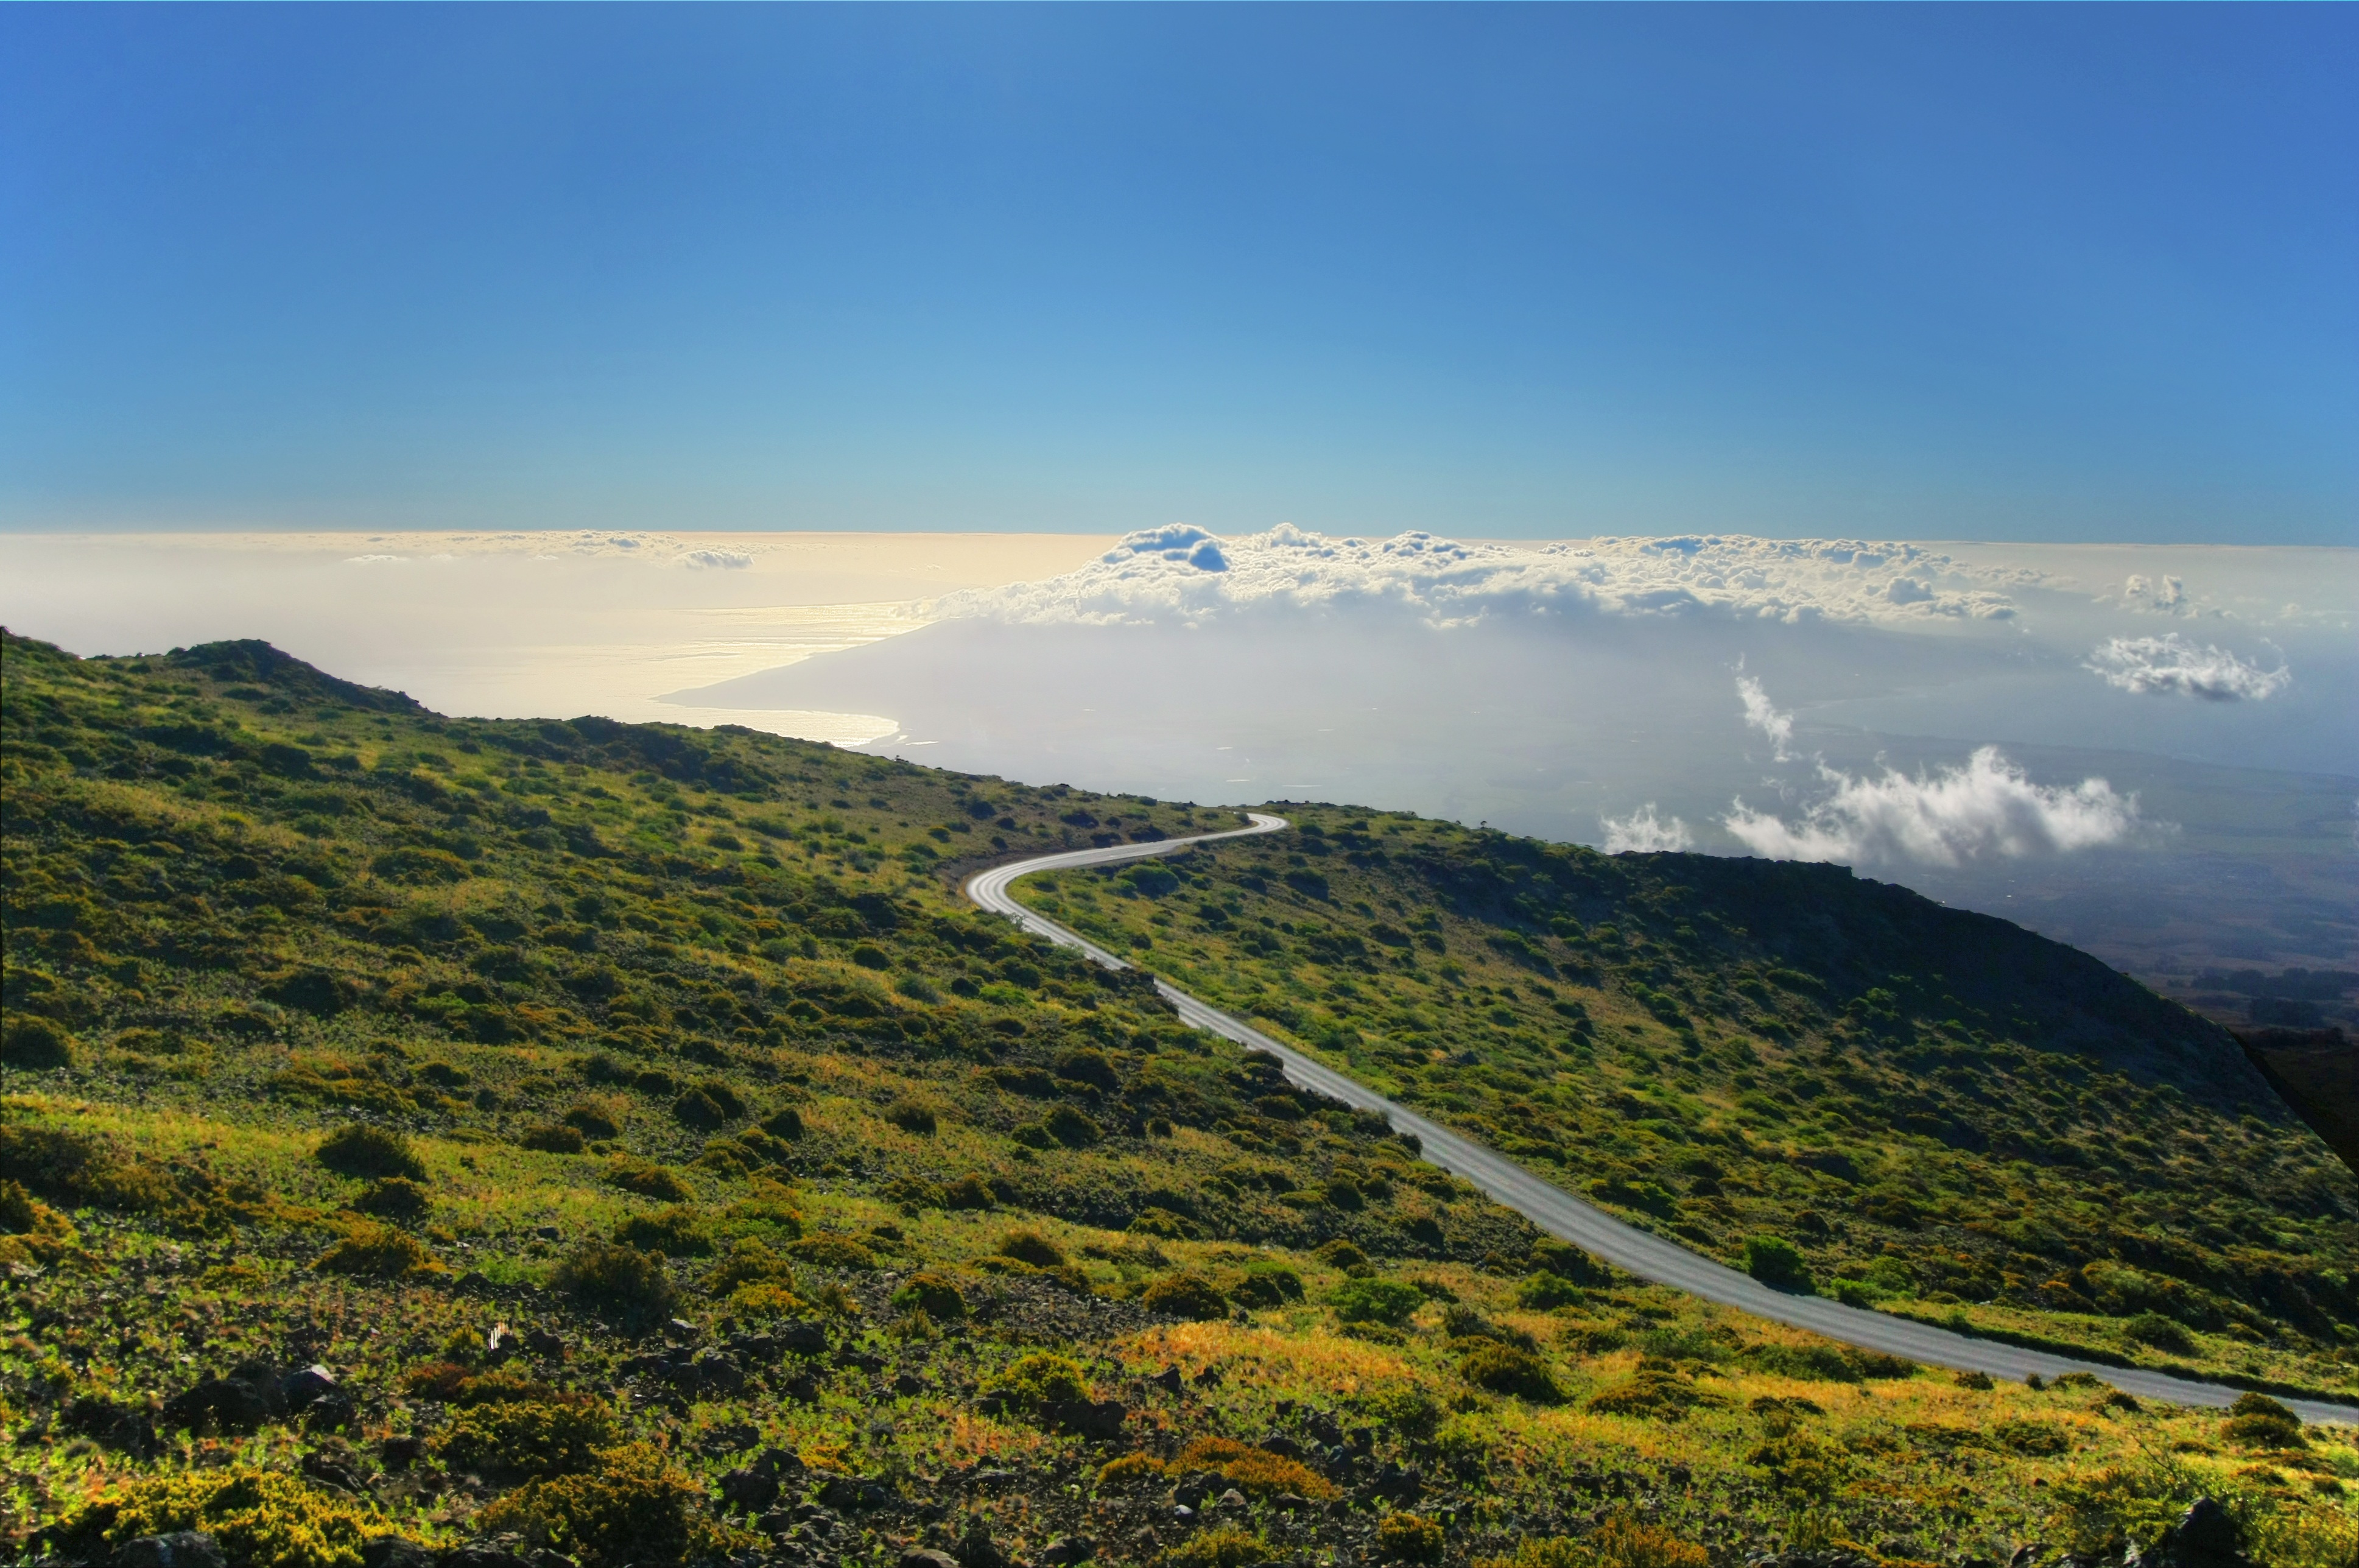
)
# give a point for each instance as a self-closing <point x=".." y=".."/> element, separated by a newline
<point x="1183" y="573"/>
<point x="2175" y="666"/>
<point x="1989" y="807"/>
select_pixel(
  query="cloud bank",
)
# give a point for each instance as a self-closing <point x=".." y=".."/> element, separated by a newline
<point x="1644" y="833"/>
<point x="1987" y="808"/>
<point x="2175" y="666"/>
<point x="1182" y="573"/>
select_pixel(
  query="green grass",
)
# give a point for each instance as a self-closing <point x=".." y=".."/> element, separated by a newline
<point x="716" y="993"/>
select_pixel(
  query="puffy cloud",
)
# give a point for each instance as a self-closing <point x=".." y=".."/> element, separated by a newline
<point x="1763" y="715"/>
<point x="2168" y="595"/>
<point x="730" y="560"/>
<point x="1987" y="808"/>
<point x="374" y="559"/>
<point x="1183" y="573"/>
<point x="2173" y="666"/>
<point x="1644" y="833"/>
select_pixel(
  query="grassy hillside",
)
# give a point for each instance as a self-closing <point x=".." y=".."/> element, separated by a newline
<point x="1947" y="1115"/>
<point x="661" y="1163"/>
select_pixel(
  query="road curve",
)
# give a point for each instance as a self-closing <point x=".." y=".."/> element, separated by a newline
<point x="1563" y="1215"/>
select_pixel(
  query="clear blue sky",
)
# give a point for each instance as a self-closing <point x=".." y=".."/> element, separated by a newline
<point x="2008" y="271"/>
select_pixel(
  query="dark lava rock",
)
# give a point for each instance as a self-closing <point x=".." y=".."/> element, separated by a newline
<point x="548" y="1346"/>
<point x="1066" y="1549"/>
<point x="481" y="1556"/>
<point x="1098" y="1419"/>
<point x="977" y="1550"/>
<point x="925" y="1557"/>
<point x="240" y="1400"/>
<point x="749" y="1491"/>
<point x="2205" y="1537"/>
<point x="1398" y="1484"/>
<point x="1813" y="1560"/>
<point x="111" y="1425"/>
<point x="394" y="1552"/>
<point x="306" y="1386"/>
<point x="330" y="1472"/>
<point x="401" y="1453"/>
<point x="850" y="1492"/>
<point x="1170" y="1379"/>
<point x="181" y="1549"/>
<point x="1285" y="1447"/>
<point x="802" y="1338"/>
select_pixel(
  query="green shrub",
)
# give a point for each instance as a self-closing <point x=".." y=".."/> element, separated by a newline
<point x="648" y="1178"/>
<point x="377" y="1252"/>
<point x="1164" y="1224"/>
<point x="750" y="1261"/>
<point x="935" y="1295"/>
<point x="1256" y="1472"/>
<point x="394" y="1198"/>
<point x="524" y="1438"/>
<point x="1267" y="1284"/>
<point x="1190" y="1296"/>
<point x="1387" y="1301"/>
<point x="786" y="1123"/>
<point x="593" y="1120"/>
<point x="260" y="1519"/>
<point x="2103" y="1513"/>
<point x="553" y="1137"/>
<point x="2161" y="1332"/>
<point x="676" y="1232"/>
<point x="1071" y="1127"/>
<point x="619" y="1281"/>
<point x="1543" y="1292"/>
<point x="1031" y="1246"/>
<point x="2256" y="1421"/>
<point x="1777" y="1263"/>
<point x="1410" y="1538"/>
<point x="1223" y="1546"/>
<point x="30" y="1231"/>
<point x="833" y="1252"/>
<point x="968" y="1192"/>
<point x="360" y="1150"/>
<point x="35" y="1045"/>
<point x="1620" y="1543"/>
<point x="913" y="1115"/>
<point x="634" y="1511"/>
<point x="1506" y="1369"/>
<point x="1043" y="1379"/>
<point x="2038" y="1438"/>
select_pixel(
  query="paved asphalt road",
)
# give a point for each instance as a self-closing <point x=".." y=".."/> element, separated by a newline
<point x="1561" y="1214"/>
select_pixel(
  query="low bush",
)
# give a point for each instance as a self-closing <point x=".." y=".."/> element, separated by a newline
<point x="620" y="1280"/>
<point x="912" y="1115"/>
<point x="1387" y="1301"/>
<point x="522" y="1438"/>
<point x="1267" y="1284"/>
<point x="1506" y="1369"/>
<point x="833" y="1252"/>
<point x="1031" y="1246"/>
<point x="1544" y="1291"/>
<point x="30" y="1231"/>
<point x="935" y="1295"/>
<point x="1778" y="1264"/>
<point x="553" y="1137"/>
<point x="677" y="1230"/>
<point x="1043" y="1377"/>
<point x="633" y="1510"/>
<point x="2258" y="1421"/>
<point x="648" y="1178"/>
<point x="1223" y="1546"/>
<point x="394" y="1198"/>
<point x="361" y="1150"/>
<point x="259" y="1519"/>
<point x="377" y="1252"/>
<point x="35" y="1045"/>
<point x="1255" y="1472"/>
<point x="1410" y="1538"/>
<point x="2160" y="1333"/>
<point x="1620" y="1543"/>
<point x="1190" y="1296"/>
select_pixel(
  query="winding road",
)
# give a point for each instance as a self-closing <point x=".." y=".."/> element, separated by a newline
<point x="1563" y="1215"/>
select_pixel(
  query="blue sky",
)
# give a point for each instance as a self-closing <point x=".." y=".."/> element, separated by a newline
<point x="2000" y="272"/>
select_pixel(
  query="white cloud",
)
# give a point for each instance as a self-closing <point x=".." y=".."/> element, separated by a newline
<point x="1988" y="807"/>
<point x="730" y="560"/>
<point x="1185" y="575"/>
<point x="2174" y="666"/>
<point x="2168" y="596"/>
<point x="1761" y="714"/>
<point x="374" y="559"/>
<point x="1643" y="832"/>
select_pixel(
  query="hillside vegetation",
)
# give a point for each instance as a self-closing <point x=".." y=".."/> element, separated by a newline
<point x="575" y="1141"/>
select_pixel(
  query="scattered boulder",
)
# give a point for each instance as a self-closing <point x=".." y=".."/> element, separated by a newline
<point x="2206" y="1536"/>
<point x="241" y="1399"/>
<point x="1099" y="1420"/>
<point x="180" y="1549"/>
<point x="306" y="1386"/>
<point x="394" y="1552"/>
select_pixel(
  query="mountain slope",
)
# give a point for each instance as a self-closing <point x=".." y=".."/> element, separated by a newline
<point x="661" y="1164"/>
